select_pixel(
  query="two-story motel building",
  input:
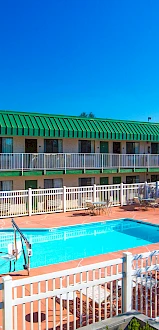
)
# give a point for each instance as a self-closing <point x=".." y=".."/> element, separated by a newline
<point x="45" y="151"/>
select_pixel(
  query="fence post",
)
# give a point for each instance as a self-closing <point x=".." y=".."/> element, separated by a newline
<point x="64" y="199"/>
<point x="157" y="189"/>
<point x="94" y="193"/>
<point x="30" y="201"/>
<point x="145" y="190"/>
<point x="7" y="302"/>
<point x="121" y="194"/>
<point x="127" y="282"/>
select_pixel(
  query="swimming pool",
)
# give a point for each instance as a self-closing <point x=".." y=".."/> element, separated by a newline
<point x="55" y="245"/>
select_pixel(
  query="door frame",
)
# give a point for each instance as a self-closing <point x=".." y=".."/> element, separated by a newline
<point x="32" y="152"/>
<point x="27" y="181"/>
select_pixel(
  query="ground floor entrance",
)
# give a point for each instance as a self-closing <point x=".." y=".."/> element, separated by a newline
<point x="31" y="184"/>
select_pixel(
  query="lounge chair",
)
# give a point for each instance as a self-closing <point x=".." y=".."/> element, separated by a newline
<point x="109" y="205"/>
<point x="154" y="203"/>
<point x="90" y="207"/>
<point x="140" y="203"/>
<point x="103" y="300"/>
<point x="137" y="202"/>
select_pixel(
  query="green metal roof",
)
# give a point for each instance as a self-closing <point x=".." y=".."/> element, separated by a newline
<point x="58" y="126"/>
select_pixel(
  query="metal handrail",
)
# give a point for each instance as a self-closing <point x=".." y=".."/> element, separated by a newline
<point x="21" y="234"/>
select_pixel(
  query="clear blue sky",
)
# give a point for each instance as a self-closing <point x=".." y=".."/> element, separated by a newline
<point x="66" y="57"/>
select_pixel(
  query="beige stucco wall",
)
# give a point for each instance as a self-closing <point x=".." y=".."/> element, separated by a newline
<point x="19" y="144"/>
<point x="144" y="147"/>
<point x="71" y="180"/>
<point x="71" y="145"/>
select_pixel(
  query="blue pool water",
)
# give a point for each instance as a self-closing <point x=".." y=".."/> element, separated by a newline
<point x="52" y="246"/>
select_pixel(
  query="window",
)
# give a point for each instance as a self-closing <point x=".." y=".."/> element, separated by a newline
<point x="85" y="146"/>
<point x="6" y="145"/>
<point x="86" y="182"/>
<point x="53" y="146"/>
<point x="6" y="185"/>
<point x="132" y="179"/>
<point x="154" y="178"/>
<point x="154" y="148"/>
<point x="53" y="183"/>
<point x="132" y="147"/>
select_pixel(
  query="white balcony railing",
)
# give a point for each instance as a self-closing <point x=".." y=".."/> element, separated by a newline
<point x="66" y="161"/>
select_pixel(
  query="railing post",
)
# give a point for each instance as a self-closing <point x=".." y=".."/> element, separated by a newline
<point x="148" y="159"/>
<point x="30" y="201"/>
<point x="44" y="163"/>
<point x="134" y="162"/>
<point x="64" y="199"/>
<point x="84" y="158"/>
<point x="121" y="194"/>
<point x="127" y="282"/>
<point x="65" y="162"/>
<point x="94" y="193"/>
<point x="119" y="162"/>
<point x="110" y="165"/>
<point x="102" y="163"/>
<point x="7" y="303"/>
<point x="22" y="165"/>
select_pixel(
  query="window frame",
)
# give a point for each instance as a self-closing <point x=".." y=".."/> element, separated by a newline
<point x="3" y="144"/>
<point x="4" y="181"/>
<point x="134" y="146"/>
<point x="87" y="145"/>
<point x="52" y="186"/>
<point x="59" y="146"/>
<point x="92" y="182"/>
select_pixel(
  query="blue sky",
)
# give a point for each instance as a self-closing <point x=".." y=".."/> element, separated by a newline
<point x="66" y="57"/>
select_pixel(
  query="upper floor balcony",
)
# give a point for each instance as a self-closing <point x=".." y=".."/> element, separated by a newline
<point x="75" y="161"/>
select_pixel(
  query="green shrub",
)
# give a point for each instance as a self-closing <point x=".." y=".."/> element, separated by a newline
<point x="135" y="325"/>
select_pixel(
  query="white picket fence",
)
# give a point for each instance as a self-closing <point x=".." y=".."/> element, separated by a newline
<point x="38" y="201"/>
<point x="84" y="295"/>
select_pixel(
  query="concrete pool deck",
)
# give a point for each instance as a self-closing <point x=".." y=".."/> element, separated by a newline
<point x="80" y="217"/>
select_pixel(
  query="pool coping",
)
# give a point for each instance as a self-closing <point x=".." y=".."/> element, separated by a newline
<point x="83" y="224"/>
